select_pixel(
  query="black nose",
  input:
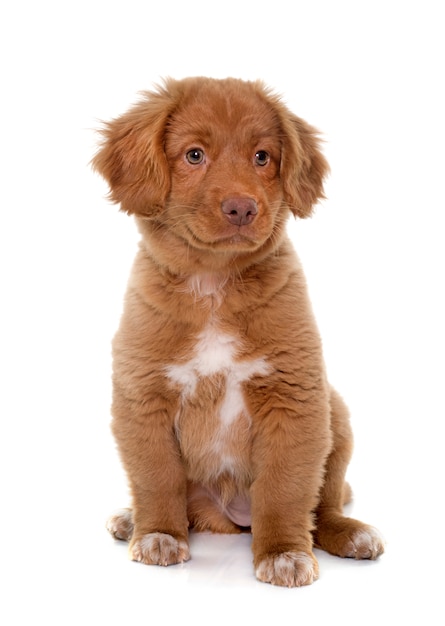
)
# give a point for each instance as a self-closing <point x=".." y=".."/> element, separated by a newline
<point x="239" y="211"/>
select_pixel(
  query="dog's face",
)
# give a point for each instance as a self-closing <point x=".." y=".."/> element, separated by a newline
<point x="218" y="163"/>
<point x="224" y="154"/>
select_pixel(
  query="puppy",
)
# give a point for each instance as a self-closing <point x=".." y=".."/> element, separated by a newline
<point x="222" y="413"/>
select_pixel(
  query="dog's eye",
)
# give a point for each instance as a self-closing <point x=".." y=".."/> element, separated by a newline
<point x="262" y="158"/>
<point x="195" y="156"/>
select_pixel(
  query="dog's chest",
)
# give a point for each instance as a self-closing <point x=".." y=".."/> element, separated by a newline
<point x="213" y="423"/>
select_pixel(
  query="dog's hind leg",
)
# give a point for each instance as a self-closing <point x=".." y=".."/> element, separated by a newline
<point x="334" y="532"/>
<point x="120" y="524"/>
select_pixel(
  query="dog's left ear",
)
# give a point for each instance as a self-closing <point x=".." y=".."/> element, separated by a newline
<point x="303" y="167"/>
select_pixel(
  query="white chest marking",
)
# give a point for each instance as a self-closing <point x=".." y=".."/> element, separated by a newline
<point x="215" y="354"/>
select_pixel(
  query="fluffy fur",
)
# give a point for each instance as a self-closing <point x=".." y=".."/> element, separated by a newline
<point x="222" y="412"/>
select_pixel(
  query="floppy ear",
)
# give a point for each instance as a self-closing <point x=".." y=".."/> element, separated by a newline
<point x="303" y="167"/>
<point x="131" y="157"/>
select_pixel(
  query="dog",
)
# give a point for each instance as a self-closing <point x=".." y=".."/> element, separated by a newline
<point x="222" y="413"/>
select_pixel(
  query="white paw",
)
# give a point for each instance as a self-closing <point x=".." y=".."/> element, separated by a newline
<point x="289" y="569"/>
<point x="159" y="549"/>
<point x="365" y="544"/>
<point x="120" y="524"/>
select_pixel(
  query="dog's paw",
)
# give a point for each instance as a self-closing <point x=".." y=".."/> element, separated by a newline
<point x="120" y="524"/>
<point x="348" y="538"/>
<point x="288" y="569"/>
<point x="366" y="543"/>
<point x="159" y="549"/>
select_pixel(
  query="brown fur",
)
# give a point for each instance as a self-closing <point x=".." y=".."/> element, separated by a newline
<point x="203" y="287"/>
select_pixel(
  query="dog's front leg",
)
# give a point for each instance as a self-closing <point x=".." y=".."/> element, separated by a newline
<point x="151" y="456"/>
<point x="288" y="454"/>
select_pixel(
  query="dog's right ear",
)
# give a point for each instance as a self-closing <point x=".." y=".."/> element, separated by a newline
<point x="132" y="158"/>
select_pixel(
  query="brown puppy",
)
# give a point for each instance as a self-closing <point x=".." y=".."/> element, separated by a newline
<point x="222" y="412"/>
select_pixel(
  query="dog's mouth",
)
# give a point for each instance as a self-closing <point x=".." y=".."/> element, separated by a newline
<point x="240" y="238"/>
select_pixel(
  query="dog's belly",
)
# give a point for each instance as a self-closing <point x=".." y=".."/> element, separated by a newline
<point x="213" y="423"/>
<point x="214" y="443"/>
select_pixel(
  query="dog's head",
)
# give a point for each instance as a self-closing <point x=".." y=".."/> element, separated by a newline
<point x="218" y="162"/>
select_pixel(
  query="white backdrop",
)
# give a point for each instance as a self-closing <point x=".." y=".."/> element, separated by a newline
<point x="369" y="75"/>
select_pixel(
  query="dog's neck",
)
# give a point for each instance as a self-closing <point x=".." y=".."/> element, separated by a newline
<point x="206" y="284"/>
